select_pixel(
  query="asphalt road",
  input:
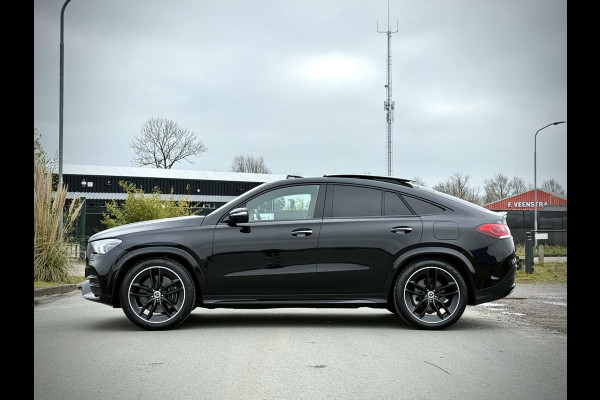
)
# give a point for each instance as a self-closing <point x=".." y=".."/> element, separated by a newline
<point x="515" y="348"/>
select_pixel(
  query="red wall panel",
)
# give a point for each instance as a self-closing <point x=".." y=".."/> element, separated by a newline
<point x="525" y="201"/>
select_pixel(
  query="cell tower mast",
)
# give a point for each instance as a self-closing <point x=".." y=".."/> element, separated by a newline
<point x="388" y="104"/>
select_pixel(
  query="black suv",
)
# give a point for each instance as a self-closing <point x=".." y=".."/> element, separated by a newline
<point x="332" y="241"/>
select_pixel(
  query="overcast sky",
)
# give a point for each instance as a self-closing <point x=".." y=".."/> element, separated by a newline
<point x="301" y="83"/>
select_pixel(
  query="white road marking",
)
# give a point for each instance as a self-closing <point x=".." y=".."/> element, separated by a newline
<point x="556" y="303"/>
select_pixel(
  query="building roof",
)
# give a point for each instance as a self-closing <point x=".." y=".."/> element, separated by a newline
<point x="105" y="170"/>
<point x="122" y="196"/>
<point x="525" y="201"/>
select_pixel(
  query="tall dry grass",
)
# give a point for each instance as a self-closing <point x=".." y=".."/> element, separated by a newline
<point x="51" y="246"/>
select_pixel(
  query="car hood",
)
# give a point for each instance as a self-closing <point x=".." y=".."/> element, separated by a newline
<point x="154" y="224"/>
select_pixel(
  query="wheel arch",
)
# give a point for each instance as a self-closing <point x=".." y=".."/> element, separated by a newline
<point x="178" y="255"/>
<point x="449" y="255"/>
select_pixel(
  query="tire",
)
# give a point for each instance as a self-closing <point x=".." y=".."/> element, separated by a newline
<point x="430" y="294"/>
<point x="157" y="294"/>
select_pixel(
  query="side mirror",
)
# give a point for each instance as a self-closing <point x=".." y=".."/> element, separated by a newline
<point x="237" y="216"/>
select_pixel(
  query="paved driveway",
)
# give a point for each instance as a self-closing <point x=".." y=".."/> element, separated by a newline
<point x="83" y="349"/>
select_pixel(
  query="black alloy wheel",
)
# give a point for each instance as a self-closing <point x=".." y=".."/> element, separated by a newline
<point x="157" y="294"/>
<point x="430" y="294"/>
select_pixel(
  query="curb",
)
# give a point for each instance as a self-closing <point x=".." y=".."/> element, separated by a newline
<point x="46" y="291"/>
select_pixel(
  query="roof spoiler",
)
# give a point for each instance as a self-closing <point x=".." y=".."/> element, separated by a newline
<point x="502" y="215"/>
<point x="389" y="179"/>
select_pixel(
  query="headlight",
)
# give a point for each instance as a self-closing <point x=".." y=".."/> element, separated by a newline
<point x="105" y="245"/>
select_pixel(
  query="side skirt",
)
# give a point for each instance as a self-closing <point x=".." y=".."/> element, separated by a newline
<point x="254" y="302"/>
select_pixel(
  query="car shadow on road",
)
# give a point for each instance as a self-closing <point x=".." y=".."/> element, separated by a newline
<point x="210" y="319"/>
<point x="283" y="319"/>
<point x="204" y="320"/>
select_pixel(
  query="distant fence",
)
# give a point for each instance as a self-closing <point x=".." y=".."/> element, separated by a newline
<point x="542" y="253"/>
<point x="555" y="238"/>
<point x="78" y="247"/>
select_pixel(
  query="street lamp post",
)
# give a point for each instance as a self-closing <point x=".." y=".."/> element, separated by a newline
<point x="535" y="180"/>
<point x="60" y="106"/>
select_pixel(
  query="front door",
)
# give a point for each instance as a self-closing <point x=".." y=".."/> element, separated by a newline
<point x="275" y="252"/>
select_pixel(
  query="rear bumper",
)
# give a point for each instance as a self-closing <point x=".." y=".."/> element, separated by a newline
<point x="498" y="291"/>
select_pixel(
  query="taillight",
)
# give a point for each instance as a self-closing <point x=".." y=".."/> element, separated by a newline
<point x="497" y="231"/>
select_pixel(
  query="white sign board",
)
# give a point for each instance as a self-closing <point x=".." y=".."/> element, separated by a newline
<point x="266" y="216"/>
<point x="541" y="236"/>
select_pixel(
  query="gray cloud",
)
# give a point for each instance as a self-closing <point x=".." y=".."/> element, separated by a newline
<point x="302" y="83"/>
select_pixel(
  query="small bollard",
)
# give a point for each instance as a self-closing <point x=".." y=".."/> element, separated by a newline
<point x="528" y="253"/>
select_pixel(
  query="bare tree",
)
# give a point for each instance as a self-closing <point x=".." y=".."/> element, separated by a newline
<point x="496" y="188"/>
<point x="249" y="164"/>
<point x="162" y="142"/>
<point x="517" y="186"/>
<point x="457" y="185"/>
<point x="419" y="181"/>
<point x="552" y="186"/>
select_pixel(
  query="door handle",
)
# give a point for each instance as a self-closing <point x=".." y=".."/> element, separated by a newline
<point x="302" y="232"/>
<point x="401" y="229"/>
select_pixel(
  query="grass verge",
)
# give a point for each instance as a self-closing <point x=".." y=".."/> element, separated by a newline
<point x="549" y="251"/>
<point x="549" y="272"/>
<point x="75" y="270"/>
<point x="70" y="279"/>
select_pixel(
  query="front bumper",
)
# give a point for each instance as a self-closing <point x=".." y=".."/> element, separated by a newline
<point x="87" y="293"/>
<point x="100" y="274"/>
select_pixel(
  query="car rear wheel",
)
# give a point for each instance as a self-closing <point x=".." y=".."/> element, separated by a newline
<point x="157" y="294"/>
<point x="430" y="294"/>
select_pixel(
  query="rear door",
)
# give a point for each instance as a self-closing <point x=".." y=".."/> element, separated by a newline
<point x="364" y="230"/>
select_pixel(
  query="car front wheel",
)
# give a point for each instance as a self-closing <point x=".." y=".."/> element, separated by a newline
<point x="157" y="294"/>
<point x="430" y="294"/>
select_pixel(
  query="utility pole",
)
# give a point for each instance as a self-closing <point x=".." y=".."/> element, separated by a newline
<point x="388" y="104"/>
<point x="60" y="107"/>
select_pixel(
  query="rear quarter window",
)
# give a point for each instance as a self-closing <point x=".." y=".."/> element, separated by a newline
<point x="393" y="205"/>
<point x="422" y="207"/>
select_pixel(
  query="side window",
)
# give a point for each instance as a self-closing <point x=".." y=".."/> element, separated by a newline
<point x="288" y="203"/>
<point x="422" y="207"/>
<point x="352" y="201"/>
<point x="394" y="205"/>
